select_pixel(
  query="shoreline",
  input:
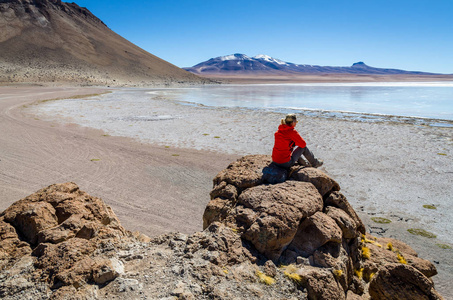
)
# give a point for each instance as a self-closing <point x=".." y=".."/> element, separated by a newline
<point x="323" y="78"/>
<point x="253" y="97"/>
<point x="182" y="166"/>
<point x="342" y="115"/>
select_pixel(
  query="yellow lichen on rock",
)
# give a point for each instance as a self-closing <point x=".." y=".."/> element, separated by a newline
<point x="359" y="273"/>
<point x="366" y="253"/>
<point x="389" y="246"/>
<point x="337" y="273"/>
<point x="293" y="276"/>
<point x="263" y="278"/>
<point x="401" y="258"/>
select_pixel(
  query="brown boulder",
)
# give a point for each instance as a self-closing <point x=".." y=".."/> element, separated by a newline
<point x="344" y="221"/>
<point x="337" y="199"/>
<point x="11" y="247"/>
<point x="381" y="253"/>
<point x="216" y="210"/>
<point x="29" y="218"/>
<point x="272" y="198"/>
<point x="314" y="232"/>
<point x="398" y="281"/>
<point x="321" y="284"/>
<point x="222" y="240"/>
<point x="280" y="208"/>
<point x="305" y="216"/>
<point x="245" y="172"/>
<point x="318" y="178"/>
<point x="65" y="226"/>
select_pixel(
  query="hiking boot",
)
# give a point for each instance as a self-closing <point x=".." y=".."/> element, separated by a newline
<point x="319" y="162"/>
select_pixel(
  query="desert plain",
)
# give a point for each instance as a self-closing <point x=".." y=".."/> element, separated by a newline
<point x="159" y="181"/>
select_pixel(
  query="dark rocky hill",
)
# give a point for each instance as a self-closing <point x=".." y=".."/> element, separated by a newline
<point x="54" y="41"/>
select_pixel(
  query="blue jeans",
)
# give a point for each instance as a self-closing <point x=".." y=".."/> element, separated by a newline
<point x="296" y="155"/>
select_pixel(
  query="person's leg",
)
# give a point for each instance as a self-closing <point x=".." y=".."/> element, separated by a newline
<point x="294" y="157"/>
<point x="311" y="158"/>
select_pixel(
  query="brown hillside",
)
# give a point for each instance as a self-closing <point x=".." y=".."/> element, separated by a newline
<point x="54" y="41"/>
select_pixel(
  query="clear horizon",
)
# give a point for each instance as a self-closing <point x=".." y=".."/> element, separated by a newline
<point x="408" y="35"/>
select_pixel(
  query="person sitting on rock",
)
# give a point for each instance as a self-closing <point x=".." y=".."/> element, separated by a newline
<point x="289" y="146"/>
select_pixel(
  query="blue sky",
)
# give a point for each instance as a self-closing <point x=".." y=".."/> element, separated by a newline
<point x="411" y="35"/>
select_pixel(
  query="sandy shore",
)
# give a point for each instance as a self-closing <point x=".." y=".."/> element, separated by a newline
<point x="150" y="188"/>
<point x="159" y="179"/>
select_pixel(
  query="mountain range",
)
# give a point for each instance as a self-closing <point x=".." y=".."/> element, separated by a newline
<point x="266" y="65"/>
<point x="54" y="41"/>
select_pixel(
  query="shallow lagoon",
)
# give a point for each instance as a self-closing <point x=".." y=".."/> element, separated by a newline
<point x="431" y="100"/>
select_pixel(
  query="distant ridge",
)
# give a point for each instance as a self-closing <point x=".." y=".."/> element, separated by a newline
<point x="266" y="65"/>
<point x="54" y="41"/>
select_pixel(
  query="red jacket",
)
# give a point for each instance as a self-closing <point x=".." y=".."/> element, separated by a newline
<point x="286" y="138"/>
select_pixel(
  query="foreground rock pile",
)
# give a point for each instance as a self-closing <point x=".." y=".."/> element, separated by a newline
<point x="297" y="239"/>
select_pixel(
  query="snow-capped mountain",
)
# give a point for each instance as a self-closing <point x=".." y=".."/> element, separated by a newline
<point x="264" y="64"/>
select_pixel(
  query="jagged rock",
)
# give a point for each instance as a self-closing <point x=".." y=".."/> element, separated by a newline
<point x="270" y="269"/>
<point x="64" y="226"/>
<point x="29" y="218"/>
<point x="336" y="258"/>
<point x="351" y="296"/>
<point x="224" y="191"/>
<point x="399" y="281"/>
<point x="222" y="239"/>
<point x="11" y="247"/>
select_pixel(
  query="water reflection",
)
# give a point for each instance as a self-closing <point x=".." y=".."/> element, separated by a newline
<point x="411" y="100"/>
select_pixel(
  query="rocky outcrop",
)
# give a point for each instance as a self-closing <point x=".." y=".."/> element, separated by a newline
<point x="297" y="239"/>
<point x="57" y="230"/>
<point x="289" y="219"/>
<point x="304" y="217"/>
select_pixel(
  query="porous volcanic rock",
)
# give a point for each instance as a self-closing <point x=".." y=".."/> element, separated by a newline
<point x="305" y="217"/>
<point x="58" y="229"/>
<point x="399" y="281"/>
<point x="275" y="217"/>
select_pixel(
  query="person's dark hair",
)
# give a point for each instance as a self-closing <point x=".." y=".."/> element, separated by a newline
<point x="290" y="118"/>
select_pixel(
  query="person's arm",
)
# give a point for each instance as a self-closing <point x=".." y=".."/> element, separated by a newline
<point x="298" y="140"/>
